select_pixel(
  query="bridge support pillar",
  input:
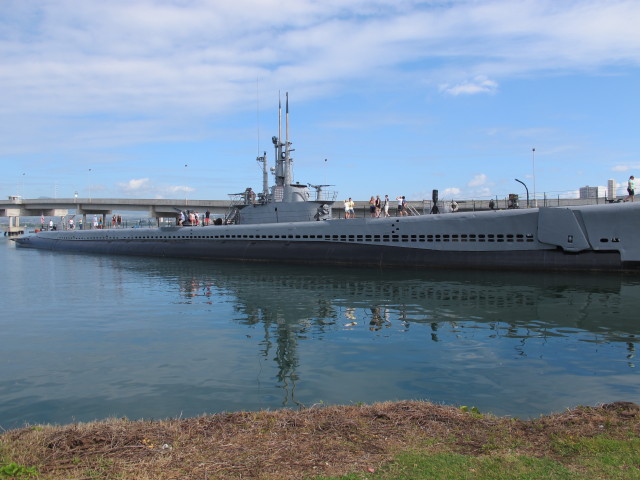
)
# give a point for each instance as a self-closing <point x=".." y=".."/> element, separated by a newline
<point x="14" y="227"/>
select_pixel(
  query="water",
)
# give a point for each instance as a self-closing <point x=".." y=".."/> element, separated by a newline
<point x="86" y="337"/>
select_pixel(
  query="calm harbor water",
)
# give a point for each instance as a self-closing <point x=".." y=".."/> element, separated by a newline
<point x="86" y="337"/>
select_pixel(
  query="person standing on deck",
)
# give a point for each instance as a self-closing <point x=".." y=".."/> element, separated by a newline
<point x="631" y="189"/>
<point x="349" y="209"/>
<point x="372" y="206"/>
<point x="401" y="204"/>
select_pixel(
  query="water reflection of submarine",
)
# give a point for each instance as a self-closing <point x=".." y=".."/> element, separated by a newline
<point x="331" y="295"/>
<point x="325" y="296"/>
<point x="558" y="302"/>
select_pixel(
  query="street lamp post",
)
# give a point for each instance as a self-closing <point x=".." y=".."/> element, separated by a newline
<point x="21" y="185"/>
<point x="186" y="191"/>
<point x="525" y="187"/>
<point x="533" y="163"/>
<point x="325" y="171"/>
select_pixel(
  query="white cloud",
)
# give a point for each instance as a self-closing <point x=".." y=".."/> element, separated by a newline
<point x="478" y="180"/>
<point x="450" y="192"/>
<point x="134" y="185"/>
<point x="204" y="57"/>
<point x="477" y="85"/>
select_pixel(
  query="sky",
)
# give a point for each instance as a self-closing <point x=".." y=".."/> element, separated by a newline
<point x="177" y="98"/>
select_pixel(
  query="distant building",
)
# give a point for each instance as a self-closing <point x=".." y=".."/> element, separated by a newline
<point x="593" y="192"/>
<point x="611" y="190"/>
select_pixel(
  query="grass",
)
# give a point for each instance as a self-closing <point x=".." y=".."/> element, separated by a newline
<point x="602" y="458"/>
<point x="402" y="440"/>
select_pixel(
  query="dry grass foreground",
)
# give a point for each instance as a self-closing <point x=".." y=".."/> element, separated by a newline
<point x="294" y="444"/>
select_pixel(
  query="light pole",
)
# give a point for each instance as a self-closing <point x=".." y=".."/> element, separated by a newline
<point x="186" y="189"/>
<point x="21" y="185"/>
<point x="533" y="163"/>
<point x="325" y="171"/>
<point x="89" y="185"/>
<point x="525" y="187"/>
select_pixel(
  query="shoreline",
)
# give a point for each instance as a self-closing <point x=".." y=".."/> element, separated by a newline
<point x="288" y="444"/>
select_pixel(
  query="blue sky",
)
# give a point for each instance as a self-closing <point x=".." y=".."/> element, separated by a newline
<point x="176" y="98"/>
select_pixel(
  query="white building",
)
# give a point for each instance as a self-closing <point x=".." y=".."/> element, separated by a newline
<point x="593" y="192"/>
<point x="611" y="194"/>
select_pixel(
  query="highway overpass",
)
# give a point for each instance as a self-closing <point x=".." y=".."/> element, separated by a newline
<point x="15" y="207"/>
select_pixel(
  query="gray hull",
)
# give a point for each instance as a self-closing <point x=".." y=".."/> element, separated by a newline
<point x="350" y="255"/>
<point x="599" y="238"/>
